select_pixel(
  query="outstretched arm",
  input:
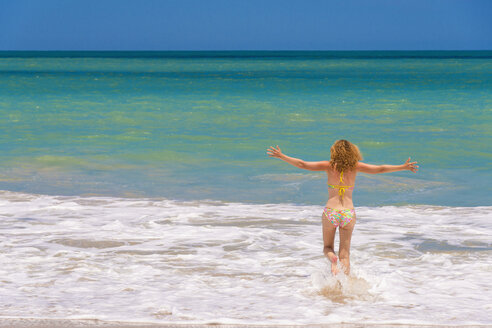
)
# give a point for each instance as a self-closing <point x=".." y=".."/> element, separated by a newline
<point x="374" y="169"/>
<point x="312" y="166"/>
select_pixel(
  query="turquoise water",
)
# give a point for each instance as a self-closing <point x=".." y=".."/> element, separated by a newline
<point x="144" y="177"/>
<point x="195" y="125"/>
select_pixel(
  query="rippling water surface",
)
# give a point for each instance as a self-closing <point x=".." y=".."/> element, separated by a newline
<point x="195" y="125"/>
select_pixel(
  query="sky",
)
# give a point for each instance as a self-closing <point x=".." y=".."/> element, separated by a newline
<point x="246" y="25"/>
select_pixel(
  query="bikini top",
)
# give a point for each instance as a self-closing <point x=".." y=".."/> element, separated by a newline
<point x="341" y="188"/>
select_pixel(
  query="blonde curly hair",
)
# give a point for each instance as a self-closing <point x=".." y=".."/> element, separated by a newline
<point x="344" y="155"/>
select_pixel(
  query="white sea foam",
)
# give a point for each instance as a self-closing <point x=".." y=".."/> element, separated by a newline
<point x="207" y="261"/>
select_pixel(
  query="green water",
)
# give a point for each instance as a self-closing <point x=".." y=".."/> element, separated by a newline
<point x="195" y="125"/>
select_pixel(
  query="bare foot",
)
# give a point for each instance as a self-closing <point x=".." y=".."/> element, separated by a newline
<point x="333" y="259"/>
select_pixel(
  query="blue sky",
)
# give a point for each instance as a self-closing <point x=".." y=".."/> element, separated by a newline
<point x="245" y="25"/>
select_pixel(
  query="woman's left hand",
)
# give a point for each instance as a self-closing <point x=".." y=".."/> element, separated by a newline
<point x="274" y="152"/>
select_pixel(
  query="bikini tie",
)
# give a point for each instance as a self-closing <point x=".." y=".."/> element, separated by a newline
<point x="341" y="189"/>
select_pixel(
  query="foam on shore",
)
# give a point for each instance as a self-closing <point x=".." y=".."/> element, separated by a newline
<point x="162" y="261"/>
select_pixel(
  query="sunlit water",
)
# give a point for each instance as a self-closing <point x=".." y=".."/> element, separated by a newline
<point x="136" y="187"/>
<point x="196" y="125"/>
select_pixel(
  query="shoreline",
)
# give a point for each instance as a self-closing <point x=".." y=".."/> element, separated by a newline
<point x="96" y="323"/>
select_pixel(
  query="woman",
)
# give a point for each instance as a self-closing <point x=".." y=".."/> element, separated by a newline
<point x="339" y="211"/>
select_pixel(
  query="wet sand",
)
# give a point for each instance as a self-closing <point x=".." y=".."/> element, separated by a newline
<point x="91" y="323"/>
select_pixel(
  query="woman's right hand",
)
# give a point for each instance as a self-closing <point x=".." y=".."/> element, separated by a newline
<point x="411" y="166"/>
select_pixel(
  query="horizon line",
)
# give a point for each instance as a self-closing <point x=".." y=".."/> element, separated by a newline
<point x="231" y="50"/>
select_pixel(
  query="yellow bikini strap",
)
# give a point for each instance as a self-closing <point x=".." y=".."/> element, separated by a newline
<point x="341" y="190"/>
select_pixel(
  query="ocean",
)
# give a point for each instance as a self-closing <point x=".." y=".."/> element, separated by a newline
<point x="135" y="186"/>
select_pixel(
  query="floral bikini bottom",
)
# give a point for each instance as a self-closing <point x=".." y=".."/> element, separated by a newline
<point x="339" y="217"/>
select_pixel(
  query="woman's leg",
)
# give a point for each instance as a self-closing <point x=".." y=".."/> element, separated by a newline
<point x="344" y="250"/>
<point x="329" y="231"/>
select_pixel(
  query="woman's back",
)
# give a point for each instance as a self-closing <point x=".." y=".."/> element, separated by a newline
<point x="340" y="188"/>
